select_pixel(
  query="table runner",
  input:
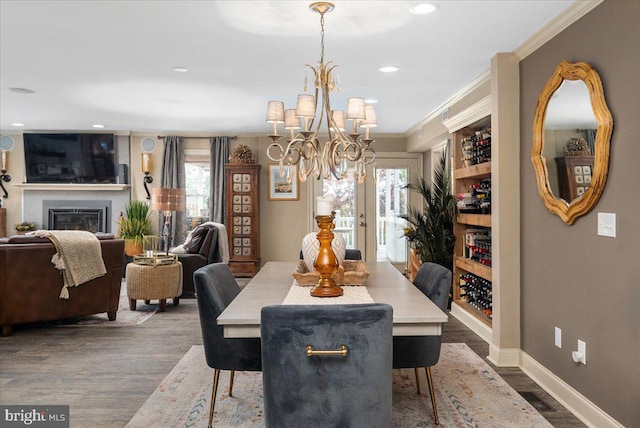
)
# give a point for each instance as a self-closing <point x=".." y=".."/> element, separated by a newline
<point x="298" y="295"/>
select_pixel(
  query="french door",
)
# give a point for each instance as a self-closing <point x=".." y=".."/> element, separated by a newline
<point x="367" y="214"/>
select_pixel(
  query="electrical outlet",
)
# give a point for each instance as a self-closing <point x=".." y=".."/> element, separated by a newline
<point x="607" y="224"/>
<point x="558" y="340"/>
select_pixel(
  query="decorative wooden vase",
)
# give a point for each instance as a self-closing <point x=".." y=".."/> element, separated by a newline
<point x="326" y="264"/>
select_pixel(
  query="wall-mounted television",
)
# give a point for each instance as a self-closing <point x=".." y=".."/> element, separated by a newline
<point x="70" y="158"/>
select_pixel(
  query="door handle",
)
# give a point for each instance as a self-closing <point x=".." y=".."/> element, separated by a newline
<point x="362" y="223"/>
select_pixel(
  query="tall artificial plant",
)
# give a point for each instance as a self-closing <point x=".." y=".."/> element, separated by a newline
<point x="430" y="227"/>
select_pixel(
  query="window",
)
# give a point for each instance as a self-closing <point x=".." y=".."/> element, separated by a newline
<point x="198" y="184"/>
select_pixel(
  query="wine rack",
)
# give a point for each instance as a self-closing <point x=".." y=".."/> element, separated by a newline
<point x="476" y="292"/>
<point x="472" y="187"/>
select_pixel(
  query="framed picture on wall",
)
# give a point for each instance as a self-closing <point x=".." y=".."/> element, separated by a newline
<point x="283" y="185"/>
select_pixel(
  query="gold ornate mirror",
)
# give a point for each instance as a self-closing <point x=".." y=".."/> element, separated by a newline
<point x="571" y="136"/>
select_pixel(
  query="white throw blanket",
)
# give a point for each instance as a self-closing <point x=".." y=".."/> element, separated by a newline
<point x="78" y="256"/>
<point x="223" y="241"/>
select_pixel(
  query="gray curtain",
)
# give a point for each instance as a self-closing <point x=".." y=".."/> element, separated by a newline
<point x="219" y="156"/>
<point x="173" y="177"/>
<point x="590" y="136"/>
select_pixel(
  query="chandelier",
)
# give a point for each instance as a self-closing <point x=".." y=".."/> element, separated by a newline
<point x="341" y="154"/>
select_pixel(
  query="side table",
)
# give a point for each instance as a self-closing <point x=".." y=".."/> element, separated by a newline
<point x="147" y="282"/>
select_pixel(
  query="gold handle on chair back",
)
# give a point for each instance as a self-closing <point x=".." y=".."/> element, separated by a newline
<point x="342" y="352"/>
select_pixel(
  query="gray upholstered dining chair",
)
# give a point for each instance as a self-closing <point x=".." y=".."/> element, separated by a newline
<point x="351" y="254"/>
<point x="215" y="289"/>
<point x="414" y="352"/>
<point x="304" y="387"/>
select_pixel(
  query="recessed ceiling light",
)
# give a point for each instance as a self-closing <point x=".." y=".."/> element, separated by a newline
<point x="97" y="125"/>
<point x="181" y="69"/>
<point x="21" y="90"/>
<point x="17" y="124"/>
<point x="370" y="101"/>
<point x="389" y="69"/>
<point x="423" y="8"/>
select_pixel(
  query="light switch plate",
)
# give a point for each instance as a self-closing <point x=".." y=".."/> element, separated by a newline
<point x="607" y="224"/>
<point x="558" y="339"/>
<point x="582" y="348"/>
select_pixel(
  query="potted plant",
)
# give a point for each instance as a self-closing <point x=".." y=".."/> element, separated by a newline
<point x="134" y="226"/>
<point x="25" y="226"/>
<point x="430" y="227"/>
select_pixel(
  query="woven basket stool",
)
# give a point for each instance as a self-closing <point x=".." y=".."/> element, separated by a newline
<point x="148" y="283"/>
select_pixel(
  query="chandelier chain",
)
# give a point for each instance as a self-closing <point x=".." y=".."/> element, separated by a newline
<point x="322" y="38"/>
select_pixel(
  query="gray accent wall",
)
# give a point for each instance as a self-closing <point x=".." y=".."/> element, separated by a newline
<point x="588" y="285"/>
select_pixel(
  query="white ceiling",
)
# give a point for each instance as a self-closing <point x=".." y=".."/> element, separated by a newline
<point x="110" y="62"/>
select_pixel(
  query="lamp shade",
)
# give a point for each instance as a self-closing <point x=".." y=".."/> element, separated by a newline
<point x="168" y="199"/>
<point x="338" y="119"/>
<point x="291" y="121"/>
<point x="355" y="109"/>
<point x="306" y="106"/>
<point x="275" y="112"/>
<point x="370" y="120"/>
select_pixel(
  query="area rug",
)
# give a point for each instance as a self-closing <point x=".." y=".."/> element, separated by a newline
<point x="469" y="393"/>
<point x="124" y="317"/>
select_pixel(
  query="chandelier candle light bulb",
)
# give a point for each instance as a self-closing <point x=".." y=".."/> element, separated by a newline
<point x="341" y="151"/>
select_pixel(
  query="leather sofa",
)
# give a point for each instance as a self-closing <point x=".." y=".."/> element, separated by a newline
<point x="30" y="285"/>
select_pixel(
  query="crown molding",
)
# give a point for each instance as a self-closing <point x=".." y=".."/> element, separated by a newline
<point x="476" y="112"/>
<point x="571" y="14"/>
<point x="482" y="78"/>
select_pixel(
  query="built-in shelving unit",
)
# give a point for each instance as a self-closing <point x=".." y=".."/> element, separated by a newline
<point x="472" y="272"/>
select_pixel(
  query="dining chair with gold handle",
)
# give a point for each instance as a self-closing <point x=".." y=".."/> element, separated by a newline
<point x="327" y="363"/>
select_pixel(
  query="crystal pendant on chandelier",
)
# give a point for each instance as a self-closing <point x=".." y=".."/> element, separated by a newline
<point x="341" y="153"/>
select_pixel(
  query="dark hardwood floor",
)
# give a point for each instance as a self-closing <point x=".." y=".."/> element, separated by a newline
<point x="105" y="374"/>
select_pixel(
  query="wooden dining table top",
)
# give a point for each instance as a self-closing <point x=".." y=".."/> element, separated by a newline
<point x="414" y="314"/>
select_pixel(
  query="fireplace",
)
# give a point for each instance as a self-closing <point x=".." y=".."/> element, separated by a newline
<point x="90" y="215"/>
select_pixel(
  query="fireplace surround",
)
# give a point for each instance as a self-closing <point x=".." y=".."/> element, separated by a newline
<point x="90" y="215"/>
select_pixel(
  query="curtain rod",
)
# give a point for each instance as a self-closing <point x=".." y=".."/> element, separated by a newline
<point x="162" y="137"/>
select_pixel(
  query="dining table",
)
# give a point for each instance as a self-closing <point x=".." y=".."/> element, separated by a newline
<point x="414" y="314"/>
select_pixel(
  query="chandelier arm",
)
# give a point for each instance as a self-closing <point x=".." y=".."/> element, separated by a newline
<point x="283" y="152"/>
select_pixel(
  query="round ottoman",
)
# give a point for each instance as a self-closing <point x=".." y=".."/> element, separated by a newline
<point x="159" y="282"/>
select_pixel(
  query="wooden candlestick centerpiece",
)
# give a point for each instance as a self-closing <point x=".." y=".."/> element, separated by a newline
<point x="326" y="264"/>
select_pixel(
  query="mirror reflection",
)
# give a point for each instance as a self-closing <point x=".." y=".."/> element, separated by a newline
<point x="569" y="140"/>
<point x="572" y="129"/>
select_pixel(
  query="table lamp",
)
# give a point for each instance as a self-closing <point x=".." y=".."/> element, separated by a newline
<point x="167" y="200"/>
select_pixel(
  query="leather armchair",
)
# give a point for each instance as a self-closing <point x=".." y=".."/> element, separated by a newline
<point x="201" y="251"/>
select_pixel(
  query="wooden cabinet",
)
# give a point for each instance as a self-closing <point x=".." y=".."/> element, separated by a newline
<point x="242" y="218"/>
<point x="472" y="271"/>
<point x="574" y="176"/>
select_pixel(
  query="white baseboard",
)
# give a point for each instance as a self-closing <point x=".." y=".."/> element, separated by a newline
<point x="504" y="357"/>
<point x="575" y="402"/>
<point x="477" y="326"/>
